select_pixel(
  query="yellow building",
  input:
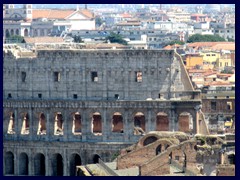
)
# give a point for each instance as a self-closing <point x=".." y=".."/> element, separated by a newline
<point x="191" y="60"/>
<point x="210" y="58"/>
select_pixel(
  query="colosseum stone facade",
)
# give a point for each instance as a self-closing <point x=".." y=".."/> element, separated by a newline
<point x="67" y="106"/>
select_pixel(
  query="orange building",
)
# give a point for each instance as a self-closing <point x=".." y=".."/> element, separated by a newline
<point x="191" y="60"/>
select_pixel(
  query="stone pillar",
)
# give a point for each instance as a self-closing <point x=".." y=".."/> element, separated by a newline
<point x="49" y="129"/>
<point x="65" y="164"/>
<point x="149" y="121"/>
<point x="19" y="124"/>
<point x="126" y="125"/>
<point x="16" y="128"/>
<point x="84" y="125"/>
<point x="31" y="124"/>
<point x="30" y="165"/>
<point x="16" y="161"/>
<point x="65" y="125"/>
<point x="47" y="163"/>
<point x="105" y="129"/>
<point x="174" y="120"/>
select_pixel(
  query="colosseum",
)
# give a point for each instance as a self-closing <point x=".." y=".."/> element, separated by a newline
<point x="66" y="106"/>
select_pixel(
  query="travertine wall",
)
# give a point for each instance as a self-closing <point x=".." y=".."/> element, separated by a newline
<point x="47" y="88"/>
<point x="116" y="74"/>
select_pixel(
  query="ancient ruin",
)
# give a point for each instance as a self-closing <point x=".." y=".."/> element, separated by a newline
<point x="66" y="106"/>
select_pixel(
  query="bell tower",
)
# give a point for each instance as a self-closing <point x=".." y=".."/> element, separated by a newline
<point x="28" y="11"/>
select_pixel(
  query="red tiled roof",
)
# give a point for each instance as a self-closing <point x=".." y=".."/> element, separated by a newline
<point x="59" y="13"/>
<point x="209" y="44"/>
<point x="51" y="13"/>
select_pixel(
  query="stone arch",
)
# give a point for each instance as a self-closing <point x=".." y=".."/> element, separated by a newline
<point x="17" y="32"/>
<point x="9" y="163"/>
<point x="23" y="165"/>
<point x="77" y="124"/>
<point x="159" y="149"/>
<point x="162" y="122"/>
<point x="11" y="124"/>
<point x="58" y="125"/>
<point x="97" y="123"/>
<point x="185" y="122"/>
<point x="25" y="124"/>
<point x="12" y="32"/>
<point x="96" y="158"/>
<point x="39" y="165"/>
<point x="117" y="122"/>
<point x="149" y="140"/>
<point x="57" y="165"/>
<point x="75" y="160"/>
<point x="7" y="33"/>
<point x="26" y="32"/>
<point x="42" y="124"/>
<point x="139" y="123"/>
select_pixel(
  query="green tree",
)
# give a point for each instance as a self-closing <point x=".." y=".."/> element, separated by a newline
<point x="77" y="39"/>
<point x="15" y="39"/>
<point x="98" y="21"/>
<point x="116" y="38"/>
<point x="205" y="38"/>
<point x="175" y="42"/>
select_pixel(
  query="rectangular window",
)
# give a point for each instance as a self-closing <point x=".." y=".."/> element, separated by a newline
<point x="177" y="158"/>
<point x="226" y="64"/>
<point x="229" y="105"/>
<point x="40" y="96"/>
<point x="138" y="76"/>
<point x="214" y="106"/>
<point x="9" y="95"/>
<point x="57" y="76"/>
<point x="74" y="96"/>
<point x="94" y="76"/>
<point x="116" y="96"/>
<point x="23" y="76"/>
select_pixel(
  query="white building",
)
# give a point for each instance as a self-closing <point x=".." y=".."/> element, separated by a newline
<point x="30" y="22"/>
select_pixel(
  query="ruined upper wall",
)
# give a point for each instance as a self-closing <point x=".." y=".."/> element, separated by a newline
<point x="92" y="74"/>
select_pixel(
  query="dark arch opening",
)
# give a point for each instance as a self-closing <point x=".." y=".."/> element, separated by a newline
<point x="42" y="125"/>
<point x="9" y="163"/>
<point x="117" y="123"/>
<point x="75" y="160"/>
<point x="57" y="165"/>
<point x="11" y="124"/>
<point x="97" y="124"/>
<point x="58" y="126"/>
<point x="149" y="140"/>
<point x="159" y="149"/>
<point x="162" y="123"/>
<point x="139" y="123"/>
<point x="77" y="124"/>
<point x="96" y="158"/>
<point x="23" y="165"/>
<point x="39" y="165"/>
<point x="25" y="124"/>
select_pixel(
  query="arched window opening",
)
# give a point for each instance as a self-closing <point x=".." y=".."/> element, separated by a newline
<point x="12" y="32"/>
<point x="149" y="140"/>
<point x="17" y="32"/>
<point x="25" y="32"/>
<point x="23" y="165"/>
<point x="39" y="165"/>
<point x="57" y="165"/>
<point x="77" y="124"/>
<point x="159" y="149"/>
<point x="58" y="126"/>
<point x="97" y="124"/>
<point x="7" y="33"/>
<point x="25" y="125"/>
<point x="42" y="125"/>
<point x="9" y="163"/>
<point x="117" y="123"/>
<point x="11" y="124"/>
<point x="139" y="124"/>
<point x="96" y="159"/>
<point x="75" y="160"/>
<point x="162" y="123"/>
<point x="185" y="122"/>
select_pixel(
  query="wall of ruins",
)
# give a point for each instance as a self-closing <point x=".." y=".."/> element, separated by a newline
<point x="95" y="75"/>
<point x="29" y="165"/>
